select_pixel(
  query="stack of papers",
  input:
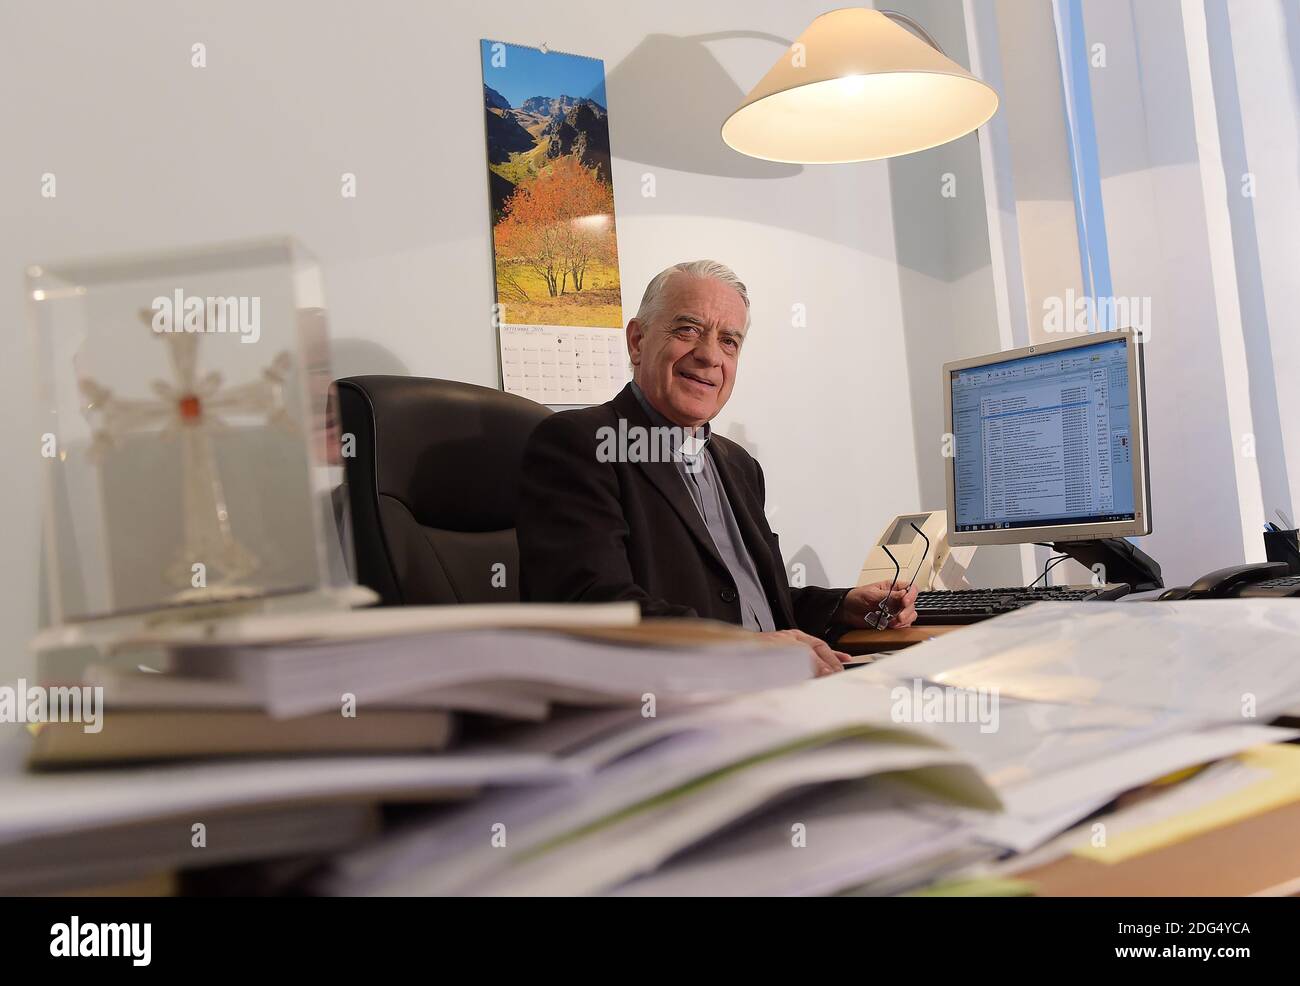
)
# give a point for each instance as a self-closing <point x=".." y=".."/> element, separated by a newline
<point x="278" y="713"/>
<point x="1106" y="699"/>
<point x="676" y="759"/>
<point x="651" y="790"/>
<point x="128" y="821"/>
<point x="1094" y="702"/>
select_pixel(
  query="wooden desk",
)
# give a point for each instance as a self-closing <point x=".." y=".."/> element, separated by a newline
<point x="1256" y="855"/>
<point x="874" y="641"/>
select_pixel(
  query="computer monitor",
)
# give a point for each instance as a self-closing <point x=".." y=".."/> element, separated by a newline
<point x="1048" y="443"/>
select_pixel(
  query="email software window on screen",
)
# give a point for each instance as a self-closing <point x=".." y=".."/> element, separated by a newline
<point x="1043" y="439"/>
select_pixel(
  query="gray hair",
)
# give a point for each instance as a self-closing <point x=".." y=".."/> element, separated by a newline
<point x="652" y="300"/>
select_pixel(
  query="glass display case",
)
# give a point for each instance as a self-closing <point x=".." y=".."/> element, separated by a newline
<point x="191" y="459"/>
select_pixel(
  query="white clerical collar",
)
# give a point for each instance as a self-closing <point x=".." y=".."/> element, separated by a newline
<point x="690" y="445"/>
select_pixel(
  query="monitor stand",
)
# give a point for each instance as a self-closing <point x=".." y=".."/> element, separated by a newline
<point x="1121" y="561"/>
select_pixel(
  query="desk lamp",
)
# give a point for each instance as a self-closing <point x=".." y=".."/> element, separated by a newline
<point x="858" y="85"/>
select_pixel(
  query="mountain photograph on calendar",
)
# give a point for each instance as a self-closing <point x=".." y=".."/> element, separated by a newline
<point x="551" y="188"/>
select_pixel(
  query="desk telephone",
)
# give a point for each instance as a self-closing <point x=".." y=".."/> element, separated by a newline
<point x="1273" y="579"/>
<point x="1259" y="580"/>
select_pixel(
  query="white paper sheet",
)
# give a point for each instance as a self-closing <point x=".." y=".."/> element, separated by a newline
<point x="852" y="833"/>
<point x="1220" y="659"/>
<point x="640" y="842"/>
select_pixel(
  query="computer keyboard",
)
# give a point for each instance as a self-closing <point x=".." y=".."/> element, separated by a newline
<point x="937" y="607"/>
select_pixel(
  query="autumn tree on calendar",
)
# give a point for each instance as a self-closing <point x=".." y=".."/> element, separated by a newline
<point x="559" y="225"/>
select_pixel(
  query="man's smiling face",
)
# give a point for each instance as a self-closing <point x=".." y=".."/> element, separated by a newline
<point x="685" y="363"/>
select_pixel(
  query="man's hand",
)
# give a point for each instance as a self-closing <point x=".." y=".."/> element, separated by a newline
<point x="861" y="605"/>
<point x="824" y="659"/>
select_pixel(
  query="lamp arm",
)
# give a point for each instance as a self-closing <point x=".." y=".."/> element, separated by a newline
<point x="915" y="28"/>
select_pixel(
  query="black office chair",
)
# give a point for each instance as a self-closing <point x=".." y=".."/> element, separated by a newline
<point x="434" y="486"/>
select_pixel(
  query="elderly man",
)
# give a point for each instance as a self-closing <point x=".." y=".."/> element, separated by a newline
<point x="636" y="499"/>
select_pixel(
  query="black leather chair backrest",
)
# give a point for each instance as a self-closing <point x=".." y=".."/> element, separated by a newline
<point x="433" y="486"/>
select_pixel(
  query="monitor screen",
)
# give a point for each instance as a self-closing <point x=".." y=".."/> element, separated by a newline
<point x="1044" y="440"/>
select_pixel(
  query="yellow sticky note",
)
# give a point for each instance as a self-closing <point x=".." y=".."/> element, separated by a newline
<point x="1280" y="787"/>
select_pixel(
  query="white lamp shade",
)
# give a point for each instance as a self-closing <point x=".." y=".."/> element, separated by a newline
<point x="856" y="86"/>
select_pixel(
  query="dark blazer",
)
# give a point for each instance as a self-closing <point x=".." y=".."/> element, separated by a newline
<point x="592" y="531"/>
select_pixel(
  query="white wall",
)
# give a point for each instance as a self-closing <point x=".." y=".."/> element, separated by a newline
<point x="150" y="152"/>
<point x="1254" y="49"/>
